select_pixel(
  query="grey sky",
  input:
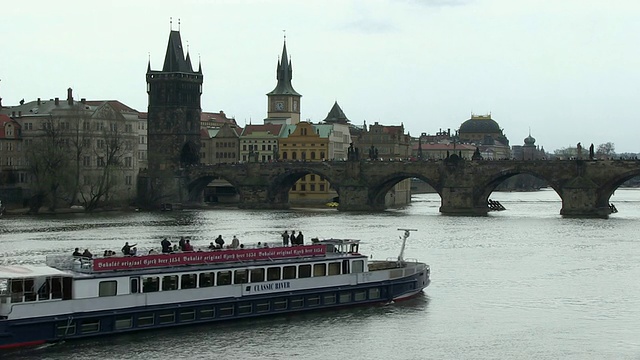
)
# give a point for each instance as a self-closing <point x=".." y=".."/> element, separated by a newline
<point x="567" y="69"/>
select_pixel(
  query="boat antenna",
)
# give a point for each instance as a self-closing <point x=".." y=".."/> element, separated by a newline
<point x="404" y="237"/>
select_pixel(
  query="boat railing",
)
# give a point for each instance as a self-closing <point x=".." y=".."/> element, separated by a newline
<point x="68" y="262"/>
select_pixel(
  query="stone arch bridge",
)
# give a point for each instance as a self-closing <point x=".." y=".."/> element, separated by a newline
<point x="584" y="186"/>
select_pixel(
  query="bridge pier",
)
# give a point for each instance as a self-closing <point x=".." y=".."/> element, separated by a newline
<point x="584" y="203"/>
<point x="356" y="198"/>
<point x="461" y="201"/>
<point x="257" y="197"/>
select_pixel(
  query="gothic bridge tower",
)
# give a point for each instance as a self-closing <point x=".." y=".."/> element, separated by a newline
<point x="173" y="122"/>
<point x="283" y="101"/>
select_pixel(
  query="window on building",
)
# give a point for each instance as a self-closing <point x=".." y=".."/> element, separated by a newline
<point x="86" y="161"/>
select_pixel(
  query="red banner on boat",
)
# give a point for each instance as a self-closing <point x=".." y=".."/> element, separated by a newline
<point x="205" y="257"/>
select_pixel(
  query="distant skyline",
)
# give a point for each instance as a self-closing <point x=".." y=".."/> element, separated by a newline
<point x="568" y="70"/>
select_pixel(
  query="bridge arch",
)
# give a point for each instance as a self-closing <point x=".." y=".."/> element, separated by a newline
<point x="494" y="180"/>
<point x="278" y="190"/>
<point x="378" y="191"/>
<point x="196" y="186"/>
<point x="607" y="189"/>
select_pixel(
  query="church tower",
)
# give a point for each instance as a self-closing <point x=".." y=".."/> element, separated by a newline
<point x="283" y="101"/>
<point x="173" y="120"/>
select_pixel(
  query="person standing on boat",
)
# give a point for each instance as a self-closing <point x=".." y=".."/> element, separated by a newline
<point x="219" y="241"/>
<point x="293" y="237"/>
<point x="187" y="246"/>
<point x="166" y="246"/>
<point x="181" y="243"/>
<point x="87" y="254"/>
<point x="77" y="252"/>
<point x="235" y="242"/>
<point x="126" y="249"/>
<point x="300" y="238"/>
<point x="285" y="238"/>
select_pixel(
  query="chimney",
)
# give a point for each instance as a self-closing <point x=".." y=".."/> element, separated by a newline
<point x="70" y="96"/>
<point x="56" y="101"/>
<point x="38" y="101"/>
<point x="83" y="100"/>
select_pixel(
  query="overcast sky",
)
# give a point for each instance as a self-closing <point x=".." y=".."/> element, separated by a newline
<point x="569" y="70"/>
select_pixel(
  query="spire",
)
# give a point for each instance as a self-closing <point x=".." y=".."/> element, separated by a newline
<point x="149" y="64"/>
<point x="284" y="74"/>
<point x="188" y="60"/>
<point x="174" y="60"/>
<point x="199" y="64"/>
<point x="336" y="115"/>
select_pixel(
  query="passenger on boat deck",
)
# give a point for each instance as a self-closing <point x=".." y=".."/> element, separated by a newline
<point x="126" y="249"/>
<point x="87" y="254"/>
<point x="212" y="246"/>
<point x="241" y="246"/>
<point x="153" y="252"/>
<point x="187" y="246"/>
<point x="285" y="238"/>
<point x="133" y="251"/>
<point x="266" y="245"/>
<point x="181" y="243"/>
<point x="235" y="242"/>
<point x="293" y="237"/>
<point x="219" y="241"/>
<point x="300" y="239"/>
<point x="166" y="246"/>
<point x="76" y="252"/>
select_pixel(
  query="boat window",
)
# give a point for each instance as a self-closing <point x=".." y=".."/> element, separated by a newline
<point x="245" y="309"/>
<point x="206" y="280"/>
<point x="187" y="315"/>
<point x="169" y="282"/>
<point x="273" y="273"/>
<point x="262" y="307"/>
<point x="297" y="302"/>
<point x="280" y="304"/>
<point x="65" y="328"/>
<point x="56" y="287"/>
<point x="319" y="269"/>
<point x="334" y="268"/>
<point x="4" y="287"/>
<point x="207" y="312"/>
<point x="358" y="266"/>
<point x="257" y="275"/>
<point x="90" y="326"/>
<point x="167" y="317"/>
<point x="124" y="322"/>
<point x="188" y="281"/>
<point x="374" y="293"/>
<point x="44" y="292"/>
<point x="345" y="297"/>
<point x="329" y="299"/>
<point x="146" y="319"/>
<point x="360" y="295"/>
<point x="107" y="288"/>
<point x="345" y="267"/>
<point x="226" y="311"/>
<point x="304" y="271"/>
<point x="289" y="272"/>
<point x="150" y="284"/>
<point x="17" y="290"/>
<point x="29" y="290"/>
<point x="240" y="276"/>
<point x="224" y="278"/>
<point x="134" y="285"/>
<point x="313" y="300"/>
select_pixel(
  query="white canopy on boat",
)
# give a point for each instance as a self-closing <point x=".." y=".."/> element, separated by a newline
<point x="28" y="271"/>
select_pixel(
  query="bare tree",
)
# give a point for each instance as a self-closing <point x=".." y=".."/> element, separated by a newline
<point x="48" y="164"/>
<point x="79" y="144"/>
<point x="109" y="152"/>
<point x="606" y="150"/>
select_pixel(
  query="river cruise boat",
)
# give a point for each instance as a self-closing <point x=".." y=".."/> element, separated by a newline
<point x="74" y="297"/>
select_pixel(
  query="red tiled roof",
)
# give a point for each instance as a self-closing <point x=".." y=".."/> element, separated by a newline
<point x="219" y="117"/>
<point x="4" y="119"/>
<point x="274" y="129"/>
<point x="444" y="147"/>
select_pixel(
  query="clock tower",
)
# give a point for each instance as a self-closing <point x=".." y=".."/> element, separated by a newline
<point x="283" y="101"/>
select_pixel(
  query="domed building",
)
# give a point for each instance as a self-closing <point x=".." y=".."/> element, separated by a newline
<point x="485" y="133"/>
<point x="528" y="151"/>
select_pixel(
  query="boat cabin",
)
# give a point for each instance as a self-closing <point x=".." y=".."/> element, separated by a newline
<point x="32" y="284"/>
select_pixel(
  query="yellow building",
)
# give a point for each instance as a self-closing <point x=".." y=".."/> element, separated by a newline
<point x="307" y="142"/>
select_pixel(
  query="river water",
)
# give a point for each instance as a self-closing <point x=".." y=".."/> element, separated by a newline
<point x="523" y="283"/>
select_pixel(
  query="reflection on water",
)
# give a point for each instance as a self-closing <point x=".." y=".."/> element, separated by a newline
<point x="522" y="283"/>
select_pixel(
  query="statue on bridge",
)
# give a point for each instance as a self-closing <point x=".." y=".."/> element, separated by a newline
<point x="476" y="155"/>
<point x="373" y="153"/>
<point x="352" y="153"/>
<point x="579" y="151"/>
<point x="591" y="153"/>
